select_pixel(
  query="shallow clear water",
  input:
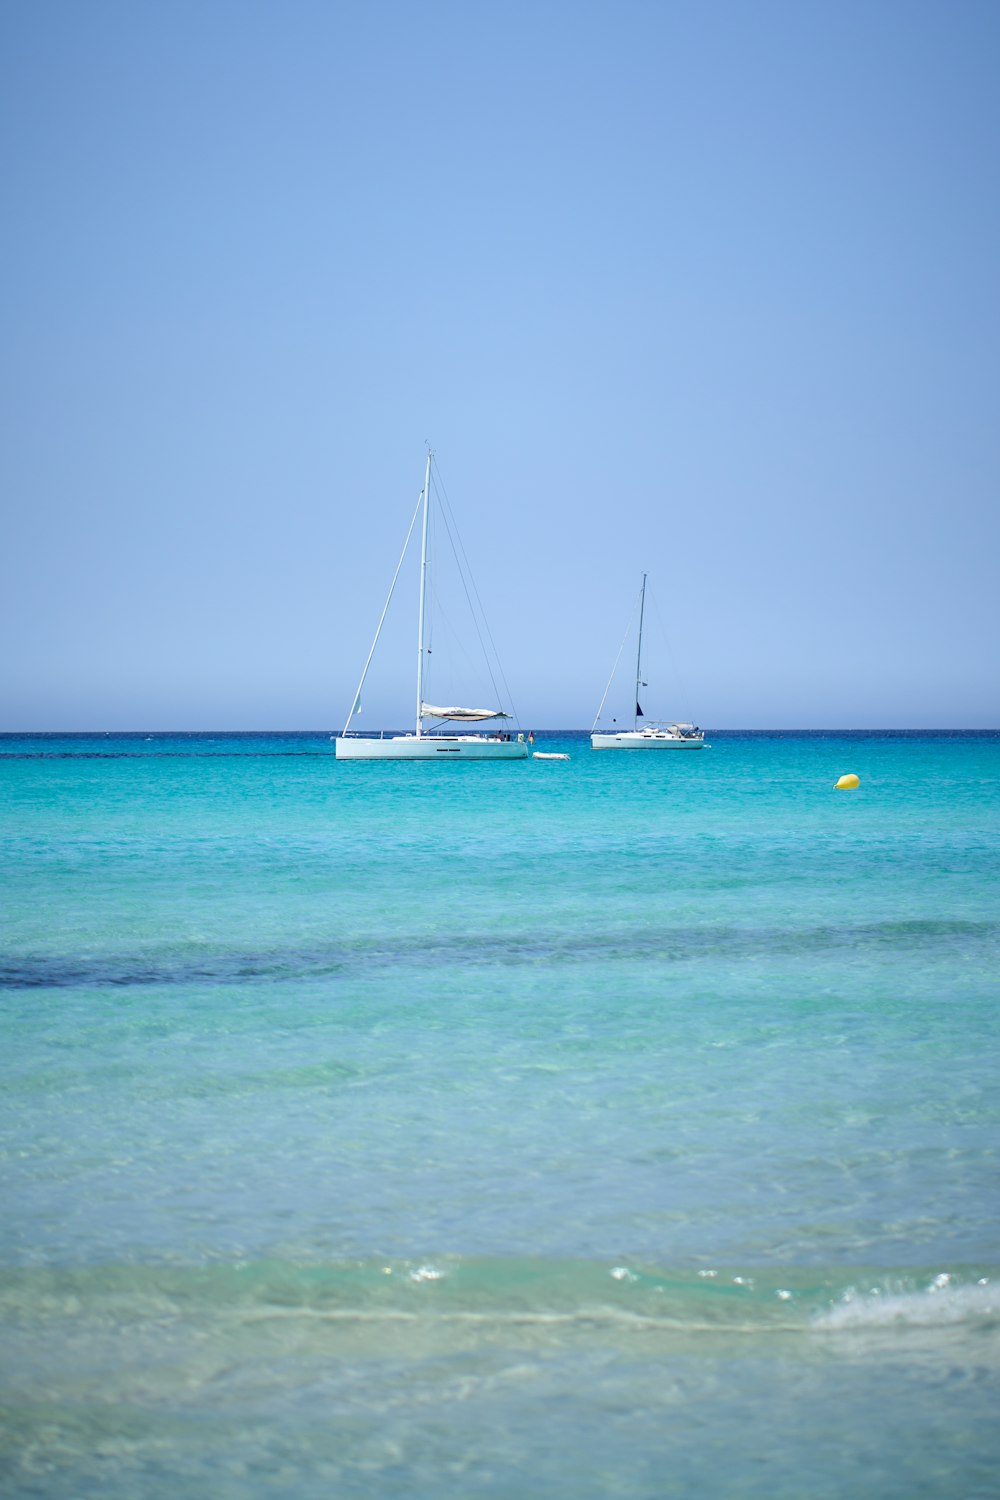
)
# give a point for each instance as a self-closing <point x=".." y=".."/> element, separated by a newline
<point x="624" y="1126"/>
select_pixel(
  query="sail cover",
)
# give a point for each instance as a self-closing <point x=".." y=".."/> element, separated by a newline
<point x="462" y="715"/>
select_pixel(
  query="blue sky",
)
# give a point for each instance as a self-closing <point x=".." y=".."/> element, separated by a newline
<point x="710" y="291"/>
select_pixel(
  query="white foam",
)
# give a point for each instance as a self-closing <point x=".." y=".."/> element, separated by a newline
<point x="941" y="1302"/>
<point x="426" y="1273"/>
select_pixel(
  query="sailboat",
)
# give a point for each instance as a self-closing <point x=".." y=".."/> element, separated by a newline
<point x="427" y="743"/>
<point x="652" y="735"/>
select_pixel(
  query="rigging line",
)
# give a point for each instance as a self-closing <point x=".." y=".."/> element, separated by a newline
<point x="429" y="576"/>
<point x="466" y="575"/>
<point x="507" y="696"/>
<point x="614" y="669"/>
<point x="434" y="597"/>
<point x="445" y="511"/>
<point x="448" y="513"/>
<point x="682" y="685"/>
<point x="472" y="611"/>
<point x="357" y="696"/>
<point x="454" y="639"/>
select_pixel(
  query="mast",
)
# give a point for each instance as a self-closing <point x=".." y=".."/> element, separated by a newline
<point x="423" y="591"/>
<point x="638" y="654"/>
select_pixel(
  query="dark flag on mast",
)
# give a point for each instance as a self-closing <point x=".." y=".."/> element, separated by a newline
<point x="638" y="711"/>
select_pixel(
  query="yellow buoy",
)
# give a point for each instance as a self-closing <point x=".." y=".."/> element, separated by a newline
<point x="847" y="783"/>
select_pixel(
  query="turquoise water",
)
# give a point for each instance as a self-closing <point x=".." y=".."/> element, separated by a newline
<point x="624" y="1126"/>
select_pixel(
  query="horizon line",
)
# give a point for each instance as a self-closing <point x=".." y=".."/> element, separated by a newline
<point x="334" y="734"/>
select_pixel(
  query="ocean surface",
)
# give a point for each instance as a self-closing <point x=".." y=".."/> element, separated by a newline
<point x="619" y="1127"/>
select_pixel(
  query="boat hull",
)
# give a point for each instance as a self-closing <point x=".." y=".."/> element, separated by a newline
<point x="628" y="740"/>
<point x="436" y="747"/>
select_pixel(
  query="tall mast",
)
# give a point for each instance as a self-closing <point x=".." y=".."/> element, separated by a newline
<point x="423" y="591"/>
<point x="638" y="654"/>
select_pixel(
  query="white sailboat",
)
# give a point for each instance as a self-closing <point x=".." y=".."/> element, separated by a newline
<point x="423" y="743"/>
<point x="652" y="735"/>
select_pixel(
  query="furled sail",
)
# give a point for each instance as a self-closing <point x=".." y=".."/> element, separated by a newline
<point x="462" y="715"/>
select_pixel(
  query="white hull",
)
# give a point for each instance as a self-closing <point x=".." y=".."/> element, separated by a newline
<point x="439" y="747"/>
<point x="640" y="740"/>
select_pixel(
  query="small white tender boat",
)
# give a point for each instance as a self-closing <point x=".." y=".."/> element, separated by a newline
<point x="548" y="755"/>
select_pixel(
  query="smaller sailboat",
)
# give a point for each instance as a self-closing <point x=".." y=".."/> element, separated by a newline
<point x="427" y="744"/>
<point x="653" y="735"/>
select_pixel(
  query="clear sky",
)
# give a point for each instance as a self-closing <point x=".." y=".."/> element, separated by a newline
<point x="708" y="290"/>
